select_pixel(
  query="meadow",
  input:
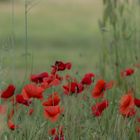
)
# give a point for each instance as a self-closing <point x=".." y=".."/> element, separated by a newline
<point x="69" y="70"/>
<point x="57" y="30"/>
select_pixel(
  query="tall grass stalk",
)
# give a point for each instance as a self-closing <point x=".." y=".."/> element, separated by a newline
<point x="28" y="5"/>
<point x="13" y="38"/>
<point x="26" y="36"/>
<point x="118" y="27"/>
<point x="13" y="22"/>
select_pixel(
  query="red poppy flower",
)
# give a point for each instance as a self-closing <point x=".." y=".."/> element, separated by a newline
<point x="53" y="100"/>
<point x="52" y="113"/>
<point x="11" y="125"/>
<point x="32" y="91"/>
<point x="68" y="65"/>
<point x="20" y="99"/>
<point x="99" y="89"/>
<point x="52" y="131"/>
<point x="60" y="131"/>
<point x="127" y="72"/>
<point x="98" y="109"/>
<point x="52" y="80"/>
<point x="57" y="133"/>
<point x="127" y="105"/>
<point x="55" y="82"/>
<point x="38" y="78"/>
<point x="137" y="102"/>
<point x="61" y="66"/>
<point x="9" y="92"/>
<point x="73" y="87"/>
<point x="87" y="80"/>
<point x="31" y="111"/>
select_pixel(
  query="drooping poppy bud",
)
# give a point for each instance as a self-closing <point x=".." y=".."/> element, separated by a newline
<point x="9" y="92"/>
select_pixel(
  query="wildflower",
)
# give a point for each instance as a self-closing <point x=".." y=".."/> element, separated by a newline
<point x="127" y="72"/>
<point x="57" y="133"/>
<point x="60" y="66"/>
<point x="52" y="131"/>
<point x="137" y="102"/>
<point x="99" y="89"/>
<point x="51" y="80"/>
<point x="87" y="79"/>
<point x="73" y="87"/>
<point x="57" y="137"/>
<point x="20" y="99"/>
<point x="98" y="109"/>
<point x="127" y="105"/>
<point x="38" y="78"/>
<point x="32" y="91"/>
<point x="52" y="100"/>
<point x="9" y="92"/>
<point x="52" y="113"/>
<point x="11" y="125"/>
<point x="31" y="111"/>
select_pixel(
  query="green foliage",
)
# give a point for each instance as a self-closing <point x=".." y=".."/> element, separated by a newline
<point x="67" y="32"/>
<point x="4" y="0"/>
<point x="119" y="28"/>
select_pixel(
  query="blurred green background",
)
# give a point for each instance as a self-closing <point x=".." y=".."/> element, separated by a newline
<point x="57" y="30"/>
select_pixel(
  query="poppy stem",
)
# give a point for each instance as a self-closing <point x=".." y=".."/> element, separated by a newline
<point x="26" y="36"/>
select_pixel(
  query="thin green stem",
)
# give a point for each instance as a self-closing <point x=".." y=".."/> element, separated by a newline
<point x="13" y="23"/>
<point x="26" y="37"/>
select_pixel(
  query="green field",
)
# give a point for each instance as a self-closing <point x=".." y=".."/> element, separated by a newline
<point x="98" y="98"/>
<point x="65" y="30"/>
